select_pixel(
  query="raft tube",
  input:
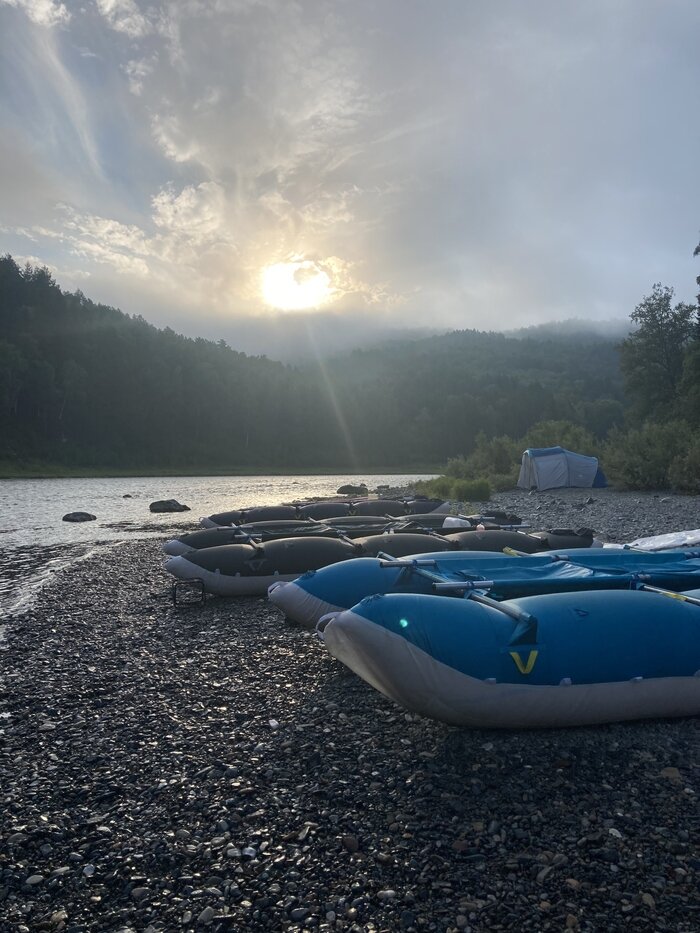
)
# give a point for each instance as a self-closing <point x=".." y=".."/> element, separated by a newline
<point x="559" y="660"/>
<point x="339" y="587"/>
<point x="322" y="510"/>
<point x="232" y="517"/>
<point x="385" y="507"/>
<point x="399" y="544"/>
<point x="257" y="533"/>
<point x="247" y="570"/>
<point x="495" y="540"/>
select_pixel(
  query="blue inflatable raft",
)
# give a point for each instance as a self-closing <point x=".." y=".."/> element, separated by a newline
<point x="543" y="661"/>
<point x="340" y="586"/>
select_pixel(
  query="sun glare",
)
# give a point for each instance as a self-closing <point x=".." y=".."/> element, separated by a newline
<point x="295" y="286"/>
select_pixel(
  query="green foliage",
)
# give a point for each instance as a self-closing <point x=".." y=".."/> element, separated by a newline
<point x="440" y="487"/>
<point x="689" y="403"/>
<point x="561" y="434"/>
<point x="684" y="472"/>
<point x="497" y="459"/>
<point x="502" y="482"/>
<point x="461" y="490"/>
<point x="641" y="458"/>
<point x="652" y="357"/>
<point x="84" y="385"/>
<point x="476" y="490"/>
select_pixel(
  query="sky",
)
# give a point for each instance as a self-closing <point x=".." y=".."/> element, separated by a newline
<point x="256" y="170"/>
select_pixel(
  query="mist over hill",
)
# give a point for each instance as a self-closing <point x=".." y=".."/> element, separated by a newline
<point x="86" y="385"/>
<point x="299" y="337"/>
<point x="575" y="327"/>
<point x="295" y="337"/>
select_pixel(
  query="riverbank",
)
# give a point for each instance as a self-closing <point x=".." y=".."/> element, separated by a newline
<point x="207" y="767"/>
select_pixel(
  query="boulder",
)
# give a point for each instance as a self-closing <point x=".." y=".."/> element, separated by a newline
<point x="350" y="490"/>
<point x="168" y="505"/>
<point x="79" y="517"/>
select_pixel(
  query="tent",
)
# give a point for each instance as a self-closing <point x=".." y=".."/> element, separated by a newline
<point x="553" y="467"/>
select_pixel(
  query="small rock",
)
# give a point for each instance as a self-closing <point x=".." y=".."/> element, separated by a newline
<point x="351" y="843"/>
<point x="206" y="916"/>
<point x="168" y="505"/>
<point x="79" y="517"/>
<point x="33" y="880"/>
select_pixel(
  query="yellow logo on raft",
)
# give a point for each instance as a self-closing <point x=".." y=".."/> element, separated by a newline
<point x="528" y="665"/>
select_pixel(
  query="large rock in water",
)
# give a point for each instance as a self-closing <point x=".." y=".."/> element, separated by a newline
<point x="168" y="505"/>
<point x="79" y="517"/>
<point x="350" y="490"/>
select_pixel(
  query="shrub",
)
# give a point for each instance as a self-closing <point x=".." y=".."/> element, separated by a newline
<point x="476" y="490"/>
<point x="464" y="490"/>
<point x="440" y="487"/>
<point x="502" y="482"/>
<point x="641" y="458"/>
<point x="561" y="434"/>
<point x="684" y="472"/>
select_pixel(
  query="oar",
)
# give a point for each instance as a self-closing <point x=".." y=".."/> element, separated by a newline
<point x="683" y="598"/>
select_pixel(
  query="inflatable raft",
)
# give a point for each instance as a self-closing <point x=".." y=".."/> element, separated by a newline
<point x="350" y="526"/>
<point x="319" y="551"/>
<point x="249" y="570"/>
<point x="334" y="508"/>
<point x="543" y="661"/>
<point x="339" y="586"/>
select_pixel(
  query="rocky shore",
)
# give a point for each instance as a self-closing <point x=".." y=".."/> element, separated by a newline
<point x="205" y="767"/>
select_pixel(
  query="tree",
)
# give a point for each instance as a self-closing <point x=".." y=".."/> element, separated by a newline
<point x="652" y="356"/>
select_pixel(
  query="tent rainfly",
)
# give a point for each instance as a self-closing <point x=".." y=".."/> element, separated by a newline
<point x="554" y="467"/>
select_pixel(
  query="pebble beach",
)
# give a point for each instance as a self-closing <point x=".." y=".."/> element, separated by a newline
<point x="207" y="767"/>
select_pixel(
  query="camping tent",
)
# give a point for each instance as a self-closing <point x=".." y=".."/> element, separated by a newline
<point x="553" y="467"/>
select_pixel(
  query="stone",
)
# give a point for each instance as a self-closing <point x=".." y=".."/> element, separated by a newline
<point x="79" y="517"/>
<point x="350" y="843"/>
<point x="168" y="505"/>
<point x="206" y="916"/>
<point x="349" y="490"/>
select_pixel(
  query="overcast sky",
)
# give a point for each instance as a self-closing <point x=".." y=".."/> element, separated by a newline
<point x="441" y="164"/>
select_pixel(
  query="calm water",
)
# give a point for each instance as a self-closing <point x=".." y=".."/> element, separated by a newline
<point x="35" y="543"/>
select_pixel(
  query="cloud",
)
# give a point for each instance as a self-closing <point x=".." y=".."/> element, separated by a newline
<point x="124" y="16"/>
<point x="137" y="71"/>
<point x="42" y="12"/>
<point x="490" y="165"/>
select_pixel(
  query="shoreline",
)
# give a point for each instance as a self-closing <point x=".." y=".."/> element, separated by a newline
<point x="205" y="767"/>
<point x="54" y="471"/>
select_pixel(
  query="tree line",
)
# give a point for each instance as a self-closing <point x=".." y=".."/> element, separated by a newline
<point x="83" y="385"/>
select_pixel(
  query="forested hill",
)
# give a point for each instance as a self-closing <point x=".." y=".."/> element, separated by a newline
<point x="86" y="385"/>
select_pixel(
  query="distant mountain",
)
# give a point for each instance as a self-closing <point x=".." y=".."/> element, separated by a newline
<point x="571" y="327"/>
<point x="85" y="385"/>
<point x="293" y="338"/>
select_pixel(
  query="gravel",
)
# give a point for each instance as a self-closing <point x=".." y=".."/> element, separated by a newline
<point x="205" y="768"/>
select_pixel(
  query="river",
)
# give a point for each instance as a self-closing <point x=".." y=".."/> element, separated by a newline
<point x="36" y="543"/>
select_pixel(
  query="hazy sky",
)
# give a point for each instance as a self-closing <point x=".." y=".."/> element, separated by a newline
<point x="451" y="163"/>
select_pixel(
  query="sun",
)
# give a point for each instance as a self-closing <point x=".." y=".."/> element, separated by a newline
<point x="296" y="286"/>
